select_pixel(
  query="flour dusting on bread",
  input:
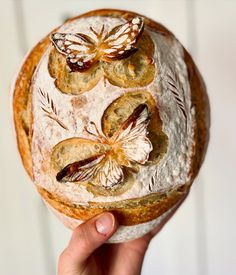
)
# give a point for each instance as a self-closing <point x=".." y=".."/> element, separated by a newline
<point x="168" y="163"/>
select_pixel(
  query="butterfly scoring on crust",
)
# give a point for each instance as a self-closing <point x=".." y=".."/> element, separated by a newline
<point x="82" y="51"/>
<point x="129" y="144"/>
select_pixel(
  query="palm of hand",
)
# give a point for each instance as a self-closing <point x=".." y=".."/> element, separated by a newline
<point x="121" y="258"/>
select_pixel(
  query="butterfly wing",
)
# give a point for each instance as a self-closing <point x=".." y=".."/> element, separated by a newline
<point x="82" y="170"/>
<point x="120" y="42"/>
<point x="82" y="51"/>
<point x="110" y="173"/>
<point x="132" y="135"/>
<point x="79" y="49"/>
<point x="101" y="169"/>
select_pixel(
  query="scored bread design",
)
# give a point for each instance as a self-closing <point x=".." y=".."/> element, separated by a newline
<point x="82" y="51"/>
<point x="78" y="59"/>
<point x="129" y="144"/>
<point x="111" y="114"/>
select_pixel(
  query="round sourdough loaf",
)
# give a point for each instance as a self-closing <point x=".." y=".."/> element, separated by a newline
<point x="111" y="114"/>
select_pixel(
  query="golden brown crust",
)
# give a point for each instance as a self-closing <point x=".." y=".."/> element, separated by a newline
<point x="201" y="103"/>
<point x="130" y="212"/>
<point x="21" y="102"/>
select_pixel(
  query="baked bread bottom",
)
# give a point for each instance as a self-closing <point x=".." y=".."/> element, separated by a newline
<point x="131" y="211"/>
<point x="124" y="233"/>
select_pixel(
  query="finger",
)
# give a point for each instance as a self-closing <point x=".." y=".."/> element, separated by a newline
<point x="85" y="239"/>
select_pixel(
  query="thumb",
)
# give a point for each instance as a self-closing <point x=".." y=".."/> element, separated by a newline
<point x="86" y="238"/>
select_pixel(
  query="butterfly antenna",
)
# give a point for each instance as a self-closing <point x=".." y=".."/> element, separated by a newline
<point x="102" y="31"/>
<point x="98" y="135"/>
<point x="97" y="131"/>
<point x="105" y="81"/>
<point x="92" y="30"/>
<point x="89" y="132"/>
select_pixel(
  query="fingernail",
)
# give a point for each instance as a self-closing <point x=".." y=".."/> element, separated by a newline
<point x="105" y="223"/>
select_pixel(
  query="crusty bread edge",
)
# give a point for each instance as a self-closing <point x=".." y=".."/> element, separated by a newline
<point x="146" y="209"/>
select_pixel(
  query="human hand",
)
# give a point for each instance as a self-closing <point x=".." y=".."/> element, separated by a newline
<point x="87" y="253"/>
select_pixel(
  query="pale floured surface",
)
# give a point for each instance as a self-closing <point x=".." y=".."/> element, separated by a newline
<point x="174" y="167"/>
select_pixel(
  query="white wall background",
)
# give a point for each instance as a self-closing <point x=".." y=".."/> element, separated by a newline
<point x="200" y="239"/>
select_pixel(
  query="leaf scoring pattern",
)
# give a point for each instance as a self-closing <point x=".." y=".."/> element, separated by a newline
<point x="48" y="106"/>
<point x="177" y="90"/>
